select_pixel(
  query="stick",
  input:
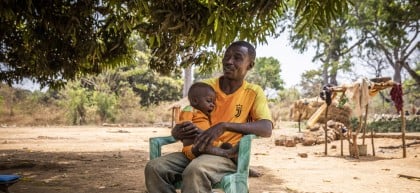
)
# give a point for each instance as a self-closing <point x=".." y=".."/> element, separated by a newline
<point x="371" y="139"/>
<point x="365" y="124"/>
<point x="325" y="130"/>
<point x="400" y="146"/>
<point x="300" y="116"/>
<point x="403" y="132"/>
<point x="408" y="177"/>
<point x="341" y="142"/>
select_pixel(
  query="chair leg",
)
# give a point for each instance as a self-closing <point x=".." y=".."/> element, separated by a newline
<point x="4" y="188"/>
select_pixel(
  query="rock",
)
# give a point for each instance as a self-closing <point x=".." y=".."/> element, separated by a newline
<point x="303" y="155"/>
<point x="308" y="141"/>
<point x="290" y="143"/>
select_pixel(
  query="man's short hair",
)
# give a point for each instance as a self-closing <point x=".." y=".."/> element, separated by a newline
<point x="251" y="49"/>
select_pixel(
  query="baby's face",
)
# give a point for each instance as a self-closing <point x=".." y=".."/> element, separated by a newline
<point x="206" y="102"/>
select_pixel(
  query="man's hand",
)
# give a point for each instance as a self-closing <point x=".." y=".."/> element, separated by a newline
<point x="185" y="130"/>
<point x="208" y="136"/>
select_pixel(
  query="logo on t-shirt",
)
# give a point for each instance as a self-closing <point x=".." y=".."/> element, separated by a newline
<point x="238" y="110"/>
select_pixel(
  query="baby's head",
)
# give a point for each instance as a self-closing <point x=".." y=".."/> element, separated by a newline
<point x="202" y="97"/>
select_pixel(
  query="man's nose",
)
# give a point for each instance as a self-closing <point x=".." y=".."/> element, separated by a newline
<point x="228" y="61"/>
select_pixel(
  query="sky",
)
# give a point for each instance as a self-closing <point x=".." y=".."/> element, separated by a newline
<point x="292" y="63"/>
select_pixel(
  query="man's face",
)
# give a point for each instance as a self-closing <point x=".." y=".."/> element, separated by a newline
<point x="236" y="62"/>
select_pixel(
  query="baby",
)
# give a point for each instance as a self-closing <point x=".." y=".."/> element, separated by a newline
<point x="202" y="102"/>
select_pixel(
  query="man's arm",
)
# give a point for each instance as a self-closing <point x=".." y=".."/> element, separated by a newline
<point x="262" y="128"/>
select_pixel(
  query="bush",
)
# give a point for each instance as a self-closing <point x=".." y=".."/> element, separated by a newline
<point x="412" y="125"/>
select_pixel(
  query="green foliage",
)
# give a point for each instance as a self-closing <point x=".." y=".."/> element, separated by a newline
<point x="128" y="103"/>
<point x="289" y="95"/>
<point x="333" y="44"/>
<point x="412" y="90"/>
<point x="378" y="105"/>
<point x="153" y="88"/>
<point x="184" y="27"/>
<point x="393" y="28"/>
<point x="266" y="73"/>
<point x="311" y="83"/>
<point x="412" y="125"/>
<point x="52" y="42"/>
<point x="106" y="105"/>
<point x="76" y="102"/>
<point x="318" y="13"/>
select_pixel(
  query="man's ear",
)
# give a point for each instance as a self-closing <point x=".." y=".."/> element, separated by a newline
<point x="251" y="65"/>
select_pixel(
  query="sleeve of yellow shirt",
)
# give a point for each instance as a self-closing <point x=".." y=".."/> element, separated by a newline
<point x="260" y="108"/>
<point x="186" y="114"/>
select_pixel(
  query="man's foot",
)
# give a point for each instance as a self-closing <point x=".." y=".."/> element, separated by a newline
<point x="254" y="173"/>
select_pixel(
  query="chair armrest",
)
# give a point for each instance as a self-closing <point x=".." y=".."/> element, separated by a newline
<point x="156" y="143"/>
<point x="244" y="154"/>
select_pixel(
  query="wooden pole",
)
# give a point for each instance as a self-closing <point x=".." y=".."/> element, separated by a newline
<point x="365" y="123"/>
<point x="356" y="148"/>
<point x="371" y="139"/>
<point x="300" y="116"/>
<point x="403" y="133"/>
<point x="325" y="130"/>
<point x="341" y="142"/>
<point x="172" y="118"/>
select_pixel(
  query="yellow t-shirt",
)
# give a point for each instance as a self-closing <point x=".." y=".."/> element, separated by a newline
<point x="247" y="103"/>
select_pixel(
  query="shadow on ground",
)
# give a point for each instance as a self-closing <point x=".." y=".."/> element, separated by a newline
<point x="259" y="184"/>
<point x="81" y="172"/>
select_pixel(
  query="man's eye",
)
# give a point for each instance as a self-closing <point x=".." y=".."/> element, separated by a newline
<point x="237" y="57"/>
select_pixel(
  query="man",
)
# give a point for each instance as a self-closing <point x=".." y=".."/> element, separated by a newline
<point x="237" y="101"/>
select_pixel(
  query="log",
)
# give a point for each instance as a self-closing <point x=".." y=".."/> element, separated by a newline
<point x="408" y="177"/>
<point x="400" y="146"/>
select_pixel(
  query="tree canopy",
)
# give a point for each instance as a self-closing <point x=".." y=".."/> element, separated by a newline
<point x="53" y="41"/>
<point x="393" y="28"/>
<point x="266" y="73"/>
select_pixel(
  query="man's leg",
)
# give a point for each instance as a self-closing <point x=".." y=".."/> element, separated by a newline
<point x="161" y="173"/>
<point x="204" y="171"/>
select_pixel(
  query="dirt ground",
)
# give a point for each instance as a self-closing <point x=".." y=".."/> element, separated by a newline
<point x="112" y="159"/>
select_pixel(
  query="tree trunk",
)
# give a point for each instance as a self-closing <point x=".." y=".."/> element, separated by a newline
<point x="187" y="80"/>
<point x="325" y="72"/>
<point x="412" y="72"/>
<point x="333" y="79"/>
<point x="397" y="72"/>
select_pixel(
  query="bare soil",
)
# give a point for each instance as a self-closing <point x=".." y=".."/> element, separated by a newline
<point x="112" y="159"/>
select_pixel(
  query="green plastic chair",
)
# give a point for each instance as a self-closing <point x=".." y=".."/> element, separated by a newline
<point x="232" y="183"/>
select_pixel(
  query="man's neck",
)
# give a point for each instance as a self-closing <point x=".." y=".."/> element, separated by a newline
<point x="229" y="86"/>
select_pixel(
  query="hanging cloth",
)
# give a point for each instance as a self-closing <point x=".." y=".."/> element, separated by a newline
<point x="358" y="94"/>
<point x="397" y="97"/>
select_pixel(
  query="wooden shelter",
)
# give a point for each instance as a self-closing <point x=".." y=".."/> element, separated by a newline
<point x="362" y="88"/>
